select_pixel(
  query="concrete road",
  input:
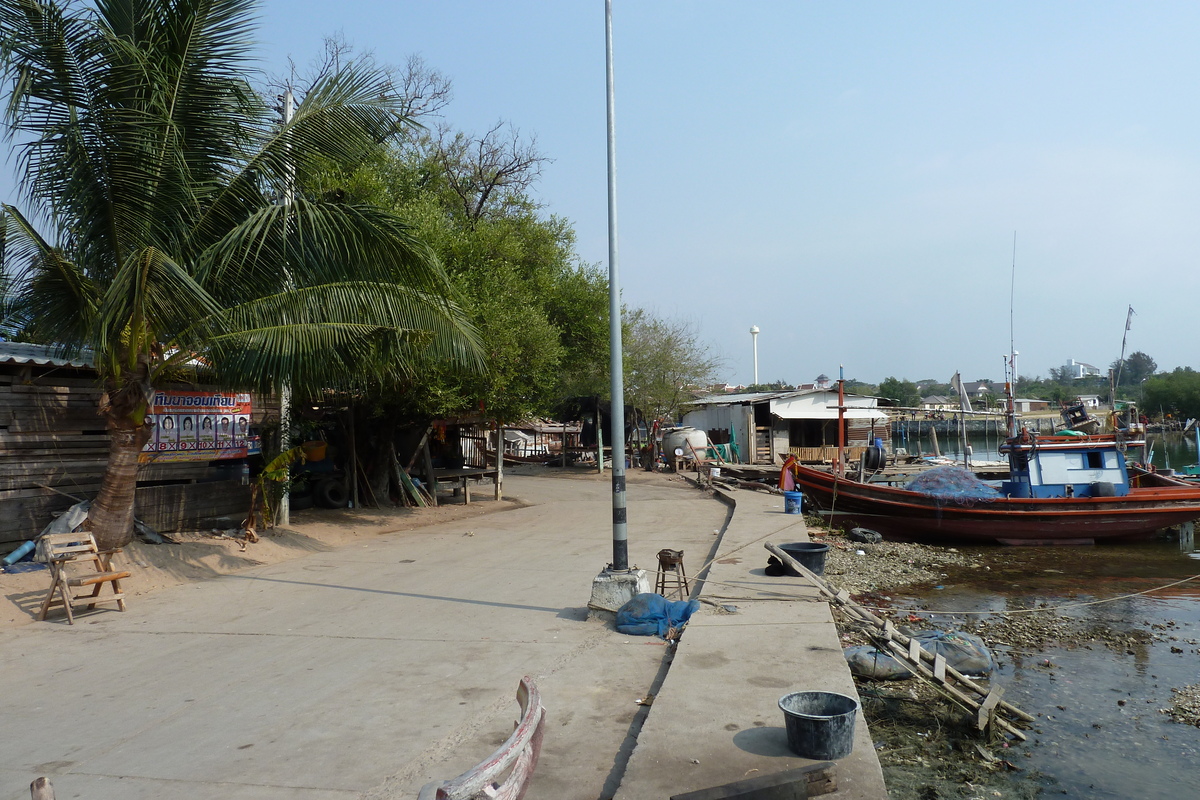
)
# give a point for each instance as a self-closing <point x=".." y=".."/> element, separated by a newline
<point x="362" y="671"/>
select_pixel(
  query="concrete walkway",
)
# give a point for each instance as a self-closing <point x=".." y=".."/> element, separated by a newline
<point x="369" y="671"/>
<point x="716" y="719"/>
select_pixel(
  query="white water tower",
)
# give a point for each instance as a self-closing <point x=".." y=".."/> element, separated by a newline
<point x="754" y="339"/>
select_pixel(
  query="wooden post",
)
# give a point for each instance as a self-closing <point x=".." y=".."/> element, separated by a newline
<point x="599" y="439"/>
<point x="353" y="460"/>
<point x="499" y="457"/>
<point x="933" y="439"/>
<point x="430" y="478"/>
<point x="41" y="789"/>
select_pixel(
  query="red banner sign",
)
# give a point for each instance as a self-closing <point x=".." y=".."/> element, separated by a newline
<point x="199" y="426"/>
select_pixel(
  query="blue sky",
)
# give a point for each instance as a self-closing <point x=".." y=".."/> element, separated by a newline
<point x="847" y="176"/>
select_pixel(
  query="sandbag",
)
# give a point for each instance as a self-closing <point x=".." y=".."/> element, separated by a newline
<point x="650" y="614"/>
<point x="868" y="662"/>
<point x="965" y="652"/>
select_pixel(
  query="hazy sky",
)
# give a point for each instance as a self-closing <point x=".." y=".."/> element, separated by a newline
<point x="848" y="176"/>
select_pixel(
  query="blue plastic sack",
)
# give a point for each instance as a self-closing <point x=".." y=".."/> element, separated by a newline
<point x="649" y="614"/>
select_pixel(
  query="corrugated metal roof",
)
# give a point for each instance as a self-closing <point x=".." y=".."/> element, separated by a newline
<point x="42" y="355"/>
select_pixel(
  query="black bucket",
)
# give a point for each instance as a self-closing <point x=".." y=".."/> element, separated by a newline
<point x="820" y="725"/>
<point x="809" y="554"/>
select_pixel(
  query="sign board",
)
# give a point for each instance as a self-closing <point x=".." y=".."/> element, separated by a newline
<point x="199" y="426"/>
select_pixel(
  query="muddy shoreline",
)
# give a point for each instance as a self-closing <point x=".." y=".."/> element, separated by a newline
<point x="928" y="747"/>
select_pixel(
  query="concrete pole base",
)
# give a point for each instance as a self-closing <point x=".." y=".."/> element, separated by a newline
<point x="612" y="589"/>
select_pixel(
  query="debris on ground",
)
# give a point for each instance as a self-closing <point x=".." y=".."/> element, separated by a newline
<point x="1185" y="705"/>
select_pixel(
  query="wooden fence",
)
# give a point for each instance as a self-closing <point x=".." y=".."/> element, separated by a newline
<point x="54" y="447"/>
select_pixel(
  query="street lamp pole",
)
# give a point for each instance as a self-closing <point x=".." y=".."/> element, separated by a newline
<point x="616" y="364"/>
<point x="754" y="339"/>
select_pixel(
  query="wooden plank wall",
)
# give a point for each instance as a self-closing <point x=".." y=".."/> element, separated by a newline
<point x="52" y="438"/>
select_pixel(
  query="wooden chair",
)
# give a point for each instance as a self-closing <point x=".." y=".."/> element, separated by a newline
<point x="60" y="551"/>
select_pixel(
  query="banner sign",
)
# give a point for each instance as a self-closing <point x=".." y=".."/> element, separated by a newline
<point x="199" y="426"/>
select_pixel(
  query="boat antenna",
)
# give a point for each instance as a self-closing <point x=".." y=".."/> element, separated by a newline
<point x="1012" y="296"/>
<point x="1010" y="363"/>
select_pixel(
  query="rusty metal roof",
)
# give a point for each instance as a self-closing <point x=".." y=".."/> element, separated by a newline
<point x="42" y="355"/>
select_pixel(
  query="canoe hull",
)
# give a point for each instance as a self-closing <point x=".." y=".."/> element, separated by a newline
<point x="902" y="514"/>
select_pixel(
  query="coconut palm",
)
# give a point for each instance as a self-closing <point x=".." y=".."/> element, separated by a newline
<point x="166" y="222"/>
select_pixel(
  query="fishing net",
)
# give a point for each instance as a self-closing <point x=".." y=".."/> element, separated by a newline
<point x="952" y="483"/>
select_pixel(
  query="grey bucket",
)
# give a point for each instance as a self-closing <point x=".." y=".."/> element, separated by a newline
<point x="809" y="554"/>
<point x="820" y="725"/>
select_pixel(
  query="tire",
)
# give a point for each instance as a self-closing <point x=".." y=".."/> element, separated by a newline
<point x="1103" y="489"/>
<point x="330" y="493"/>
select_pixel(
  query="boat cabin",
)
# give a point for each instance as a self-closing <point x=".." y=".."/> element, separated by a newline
<point x="1065" y="466"/>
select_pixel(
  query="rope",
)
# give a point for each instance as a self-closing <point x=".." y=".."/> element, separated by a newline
<point x="776" y="595"/>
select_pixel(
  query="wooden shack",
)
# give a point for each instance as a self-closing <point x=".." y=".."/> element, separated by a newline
<point x="803" y="423"/>
<point x="54" y="447"/>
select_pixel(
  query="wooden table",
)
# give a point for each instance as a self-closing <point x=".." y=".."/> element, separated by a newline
<point x="465" y="475"/>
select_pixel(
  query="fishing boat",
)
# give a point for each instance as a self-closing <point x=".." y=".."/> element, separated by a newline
<point x="1066" y="488"/>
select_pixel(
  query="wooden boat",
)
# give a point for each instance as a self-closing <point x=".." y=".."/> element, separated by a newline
<point x="1062" y="489"/>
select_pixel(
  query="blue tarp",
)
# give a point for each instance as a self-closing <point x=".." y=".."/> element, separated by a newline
<point x="650" y="614"/>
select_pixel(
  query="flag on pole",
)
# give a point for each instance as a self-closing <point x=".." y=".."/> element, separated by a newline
<point x="964" y="399"/>
<point x="1129" y="318"/>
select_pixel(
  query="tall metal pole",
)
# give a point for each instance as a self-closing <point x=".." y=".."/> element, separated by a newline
<point x="754" y="338"/>
<point x="616" y="362"/>
<point x="285" y="390"/>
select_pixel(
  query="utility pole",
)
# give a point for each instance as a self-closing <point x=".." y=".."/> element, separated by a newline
<point x="285" y="389"/>
<point x="617" y="583"/>
<point x="616" y="362"/>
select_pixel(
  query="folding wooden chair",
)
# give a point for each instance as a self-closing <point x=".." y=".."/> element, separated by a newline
<point x="60" y="550"/>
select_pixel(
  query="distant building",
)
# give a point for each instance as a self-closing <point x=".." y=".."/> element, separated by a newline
<point x="977" y="390"/>
<point x="1090" y="400"/>
<point x="1078" y="369"/>
<point x="938" y="403"/>
<point x="823" y="381"/>
<point x="1026" y="405"/>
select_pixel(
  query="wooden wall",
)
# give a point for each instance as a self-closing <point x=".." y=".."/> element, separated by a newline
<point x="52" y="438"/>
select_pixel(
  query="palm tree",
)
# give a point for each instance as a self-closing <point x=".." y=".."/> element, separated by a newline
<point x="160" y="178"/>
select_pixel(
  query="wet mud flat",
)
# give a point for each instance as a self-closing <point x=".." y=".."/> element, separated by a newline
<point x="1100" y="644"/>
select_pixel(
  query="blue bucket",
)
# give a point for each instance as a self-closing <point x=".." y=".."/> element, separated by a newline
<point x="793" y="502"/>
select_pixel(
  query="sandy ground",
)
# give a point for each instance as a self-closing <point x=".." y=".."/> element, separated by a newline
<point x="199" y="555"/>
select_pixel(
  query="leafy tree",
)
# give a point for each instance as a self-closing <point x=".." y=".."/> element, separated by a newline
<point x="1135" y="369"/>
<point x="774" y="386"/>
<point x="902" y="391"/>
<point x="859" y="387"/>
<point x="665" y="362"/>
<point x="1176" y="392"/>
<point x="542" y="315"/>
<point x="160" y="176"/>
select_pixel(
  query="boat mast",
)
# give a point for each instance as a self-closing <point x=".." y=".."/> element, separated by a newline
<point x="841" y="465"/>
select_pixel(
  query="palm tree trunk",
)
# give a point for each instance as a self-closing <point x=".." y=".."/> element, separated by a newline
<point x="124" y="408"/>
<point x="111" y="514"/>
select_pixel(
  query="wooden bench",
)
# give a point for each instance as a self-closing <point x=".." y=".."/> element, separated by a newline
<point x="465" y="474"/>
<point x="63" y="550"/>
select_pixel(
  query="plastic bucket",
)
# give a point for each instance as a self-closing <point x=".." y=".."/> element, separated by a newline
<point x="793" y="502"/>
<point x="820" y="725"/>
<point x="314" y="451"/>
<point x="809" y="554"/>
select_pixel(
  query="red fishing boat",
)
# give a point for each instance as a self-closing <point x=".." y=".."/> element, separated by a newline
<point x="1071" y="488"/>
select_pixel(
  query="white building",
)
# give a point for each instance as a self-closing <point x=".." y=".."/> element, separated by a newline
<point x="1078" y="369"/>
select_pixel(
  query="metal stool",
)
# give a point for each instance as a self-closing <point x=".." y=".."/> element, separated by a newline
<point x="670" y="563"/>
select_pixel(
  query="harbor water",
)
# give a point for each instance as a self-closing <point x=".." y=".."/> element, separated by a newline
<point x="1101" y="730"/>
